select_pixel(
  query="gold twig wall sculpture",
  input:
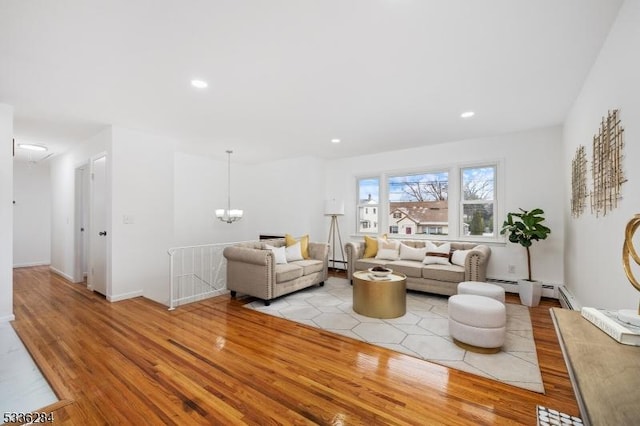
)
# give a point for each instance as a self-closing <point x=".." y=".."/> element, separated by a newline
<point x="607" y="165"/>
<point x="579" y="182"/>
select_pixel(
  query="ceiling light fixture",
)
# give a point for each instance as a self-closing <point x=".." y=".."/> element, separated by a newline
<point x="335" y="140"/>
<point x="32" y="147"/>
<point x="200" y="84"/>
<point x="467" y="114"/>
<point x="229" y="215"/>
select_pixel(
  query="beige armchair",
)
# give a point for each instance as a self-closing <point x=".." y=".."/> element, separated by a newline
<point x="252" y="270"/>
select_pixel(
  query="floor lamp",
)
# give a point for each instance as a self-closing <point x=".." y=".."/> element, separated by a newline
<point x="334" y="209"/>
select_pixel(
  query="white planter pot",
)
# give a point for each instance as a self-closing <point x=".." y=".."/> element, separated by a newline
<point x="530" y="292"/>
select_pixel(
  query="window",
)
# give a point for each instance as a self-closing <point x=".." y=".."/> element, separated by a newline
<point x="417" y="202"/>
<point x="478" y="201"/>
<point x="422" y="199"/>
<point x="368" y="200"/>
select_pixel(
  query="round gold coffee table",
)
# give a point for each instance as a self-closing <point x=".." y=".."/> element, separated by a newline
<point x="379" y="298"/>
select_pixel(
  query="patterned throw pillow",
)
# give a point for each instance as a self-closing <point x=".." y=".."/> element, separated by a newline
<point x="438" y="255"/>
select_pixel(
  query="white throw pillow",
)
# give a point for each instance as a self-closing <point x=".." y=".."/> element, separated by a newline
<point x="459" y="257"/>
<point x="388" y="249"/>
<point x="294" y="252"/>
<point x="437" y="254"/>
<point x="412" y="253"/>
<point x="279" y="253"/>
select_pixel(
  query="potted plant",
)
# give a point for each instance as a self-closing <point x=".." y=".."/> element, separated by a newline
<point x="524" y="228"/>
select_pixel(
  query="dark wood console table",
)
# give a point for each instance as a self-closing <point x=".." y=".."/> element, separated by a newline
<point x="604" y="373"/>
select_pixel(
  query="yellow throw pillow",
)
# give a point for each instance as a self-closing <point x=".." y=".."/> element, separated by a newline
<point x="370" y="247"/>
<point x="289" y="240"/>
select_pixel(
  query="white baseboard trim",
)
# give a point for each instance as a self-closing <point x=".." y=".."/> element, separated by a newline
<point x="62" y="274"/>
<point x="124" y="296"/>
<point x="7" y="318"/>
<point x="30" y="264"/>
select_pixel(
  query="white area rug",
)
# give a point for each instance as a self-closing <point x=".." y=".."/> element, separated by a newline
<point x="423" y="332"/>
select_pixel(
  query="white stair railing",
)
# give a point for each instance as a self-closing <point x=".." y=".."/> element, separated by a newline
<point x="197" y="273"/>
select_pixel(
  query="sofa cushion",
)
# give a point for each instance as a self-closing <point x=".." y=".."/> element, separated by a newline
<point x="364" y="264"/>
<point x="288" y="272"/>
<point x="459" y="257"/>
<point x="412" y="253"/>
<point x="294" y="252"/>
<point x="279" y="253"/>
<point x="410" y="268"/>
<point x="309" y="266"/>
<point x="304" y="243"/>
<point x="370" y="247"/>
<point x="388" y="249"/>
<point x="452" y="273"/>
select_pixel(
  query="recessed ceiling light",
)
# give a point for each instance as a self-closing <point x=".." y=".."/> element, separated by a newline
<point x="335" y="140"/>
<point x="467" y="114"/>
<point x="199" y="84"/>
<point x="32" y="147"/>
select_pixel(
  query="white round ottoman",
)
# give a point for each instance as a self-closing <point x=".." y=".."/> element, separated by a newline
<point x="482" y="289"/>
<point x="477" y="323"/>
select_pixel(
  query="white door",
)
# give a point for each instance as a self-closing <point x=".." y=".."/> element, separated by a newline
<point x="98" y="226"/>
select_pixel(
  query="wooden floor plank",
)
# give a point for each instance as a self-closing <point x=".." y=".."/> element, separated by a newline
<point x="215" y="362"/>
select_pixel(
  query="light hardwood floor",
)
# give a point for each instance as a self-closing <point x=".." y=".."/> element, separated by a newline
<point x="215" y="362"/>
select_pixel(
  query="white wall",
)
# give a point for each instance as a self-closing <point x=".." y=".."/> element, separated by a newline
<point x="287" y="196"/>
<point x="6" y="213"/>
<point x="277" y="197"/>
<point x="531" y="178"/>
<point x="200" y="187"/>
<point x="141" y="189"/>
<point x="63" y="199"/>
<point x="32" y="214"/>
<point x="594" y="271"/>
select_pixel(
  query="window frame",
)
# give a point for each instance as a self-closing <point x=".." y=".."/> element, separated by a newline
<point x="455" y="202"/>
<point x="376" y="206"/>
<point x="494" y="201"/>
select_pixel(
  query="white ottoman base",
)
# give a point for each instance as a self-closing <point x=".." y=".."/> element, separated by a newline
<point x="477" y="321"/>
<point x="479" y="337"/>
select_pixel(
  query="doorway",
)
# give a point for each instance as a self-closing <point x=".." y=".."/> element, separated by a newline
<point x="81" y="223"/>
<point x="98" y="237"/>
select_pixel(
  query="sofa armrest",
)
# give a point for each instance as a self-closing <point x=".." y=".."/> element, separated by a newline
<point x="476" y="263"/>
<point x="320" y="251"/>
<point x="250" y="271"/>
<point x="247" y="255"/>
<point x="354" y="251"/>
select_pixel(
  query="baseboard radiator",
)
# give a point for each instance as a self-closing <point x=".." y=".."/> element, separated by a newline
<point x="548" y="290"/>
<point x="197" y="273"/>
<point x="567" y="300"/>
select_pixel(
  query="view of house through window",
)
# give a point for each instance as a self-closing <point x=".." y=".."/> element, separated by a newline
<point x="368" y="202"/>
<point x="478" y="200"/>
<point x="418" y="204"/>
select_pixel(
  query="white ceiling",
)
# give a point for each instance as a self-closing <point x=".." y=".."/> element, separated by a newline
<point x="287" y="76"/>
